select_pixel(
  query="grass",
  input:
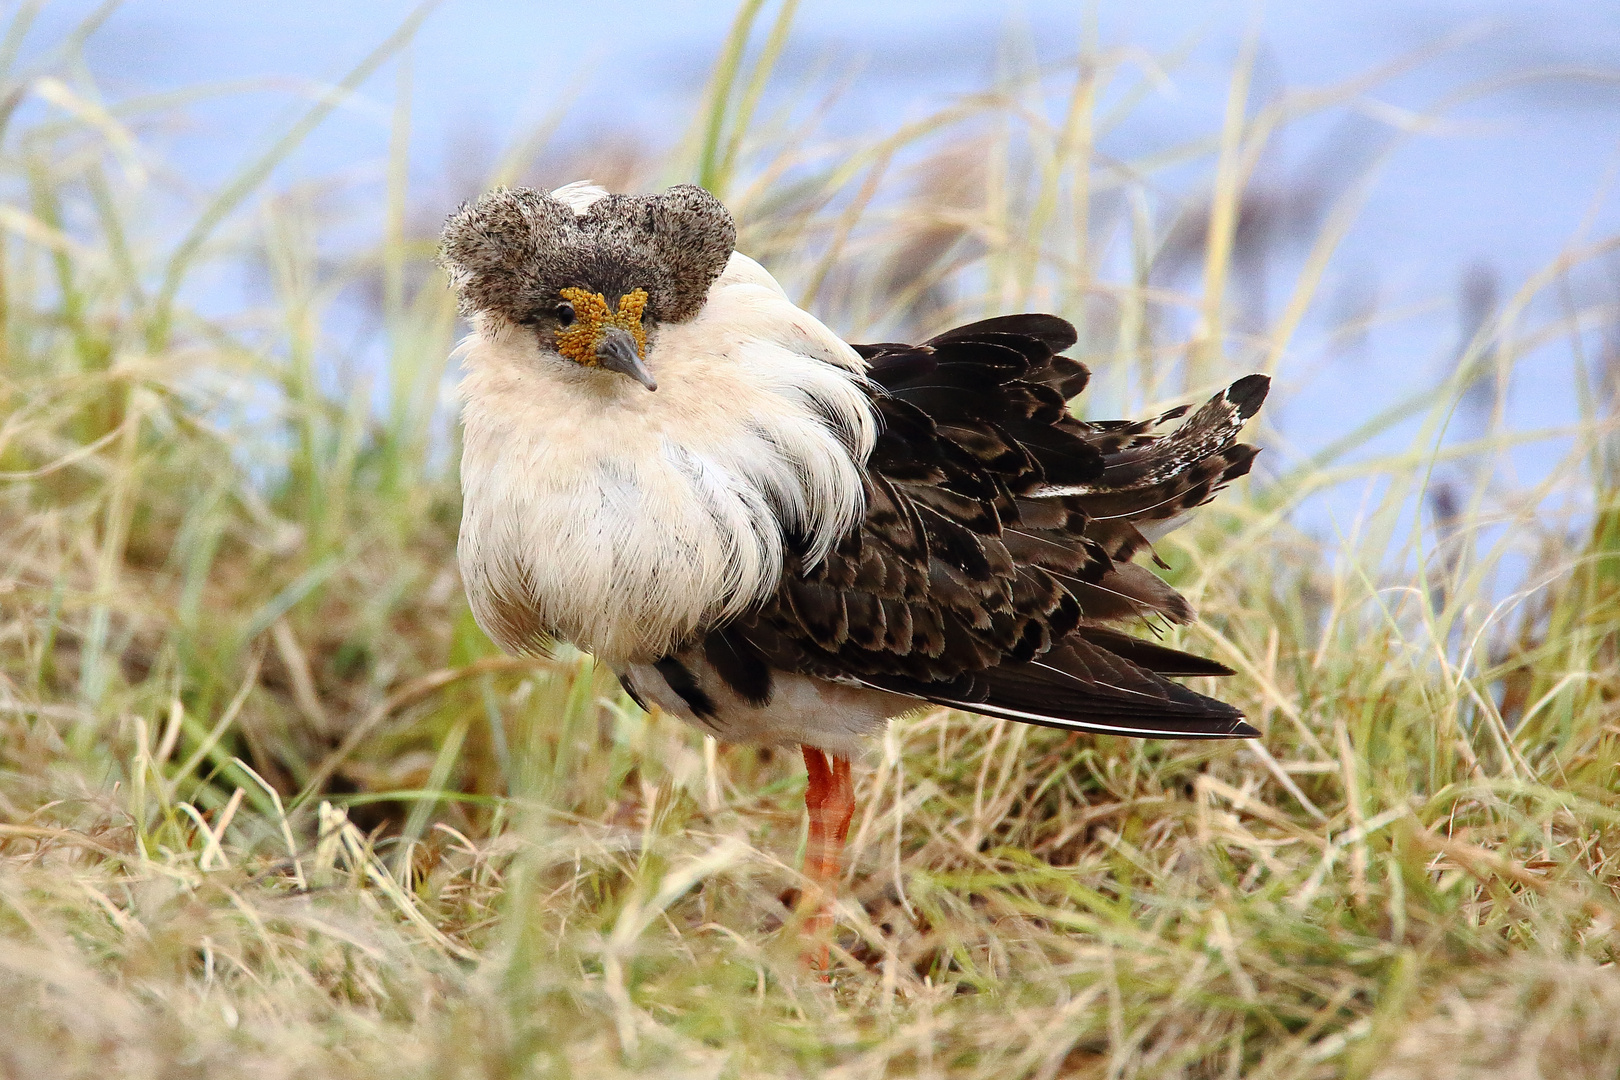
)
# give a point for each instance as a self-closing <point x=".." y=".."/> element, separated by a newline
<point x="271" y="804"/>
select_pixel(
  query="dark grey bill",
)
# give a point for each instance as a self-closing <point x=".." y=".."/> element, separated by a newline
<point x="617" y="352"/>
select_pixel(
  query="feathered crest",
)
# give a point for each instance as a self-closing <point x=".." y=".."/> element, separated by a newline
<point x="512" y="251"/>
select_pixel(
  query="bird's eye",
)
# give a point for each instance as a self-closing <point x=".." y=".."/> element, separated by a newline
<point x="565" y="314"/>
<point x="646" y="317"/>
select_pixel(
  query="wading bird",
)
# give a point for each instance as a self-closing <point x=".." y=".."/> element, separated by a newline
<point x="786" y="539"/>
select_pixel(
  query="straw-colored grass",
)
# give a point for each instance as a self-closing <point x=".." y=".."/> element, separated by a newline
<point x="270" y="804"/>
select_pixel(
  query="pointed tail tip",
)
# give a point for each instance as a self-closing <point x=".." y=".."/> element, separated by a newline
<point x="1242" y="730"/>
<point x="1248" y="393"/>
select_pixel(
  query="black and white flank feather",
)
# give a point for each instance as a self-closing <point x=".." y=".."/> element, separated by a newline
<point x="792" y="539"/>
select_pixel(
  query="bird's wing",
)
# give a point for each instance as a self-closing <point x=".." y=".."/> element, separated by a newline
<point x="996" y="545"/>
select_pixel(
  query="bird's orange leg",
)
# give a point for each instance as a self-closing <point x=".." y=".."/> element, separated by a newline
<point x="830" y="801"/>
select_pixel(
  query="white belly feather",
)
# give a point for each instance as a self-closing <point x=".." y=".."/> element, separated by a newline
<point x="622" y="520"/>
<point x="833" y="716"/>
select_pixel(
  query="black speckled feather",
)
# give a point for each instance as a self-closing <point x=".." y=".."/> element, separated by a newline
<point x="996" y="545"/>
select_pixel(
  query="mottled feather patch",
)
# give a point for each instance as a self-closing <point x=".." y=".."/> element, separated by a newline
<point x="511" y="251"/>
<point x="1021" y="521"/>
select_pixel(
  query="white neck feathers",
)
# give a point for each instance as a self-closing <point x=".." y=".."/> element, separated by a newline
<point x="623" y="520"/>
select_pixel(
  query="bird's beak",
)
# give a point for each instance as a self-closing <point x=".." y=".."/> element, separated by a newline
<point x="616" y="351"/>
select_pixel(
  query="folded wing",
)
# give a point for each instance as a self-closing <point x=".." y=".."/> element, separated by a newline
<point x="996" y="546"/>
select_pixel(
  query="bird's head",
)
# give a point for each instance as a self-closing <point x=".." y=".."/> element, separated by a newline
<point x="592" y="278"/>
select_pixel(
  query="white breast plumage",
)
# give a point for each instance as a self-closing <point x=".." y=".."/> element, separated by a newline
<point x="621" y="520"/>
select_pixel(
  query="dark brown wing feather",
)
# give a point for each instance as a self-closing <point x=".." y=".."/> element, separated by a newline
<point x="996" y="543"/>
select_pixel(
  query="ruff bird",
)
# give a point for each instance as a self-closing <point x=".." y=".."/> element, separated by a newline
<point x="782" y="538"/>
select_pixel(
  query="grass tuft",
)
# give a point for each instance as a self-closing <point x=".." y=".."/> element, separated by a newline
<point x="270" y="803"/>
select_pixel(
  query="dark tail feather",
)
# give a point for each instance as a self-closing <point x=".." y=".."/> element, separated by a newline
<point x="1207" y="432"/>
<point x="1196" y="484"/>
<point x="1159" y="659"/>
<point x="1081" y="686"/>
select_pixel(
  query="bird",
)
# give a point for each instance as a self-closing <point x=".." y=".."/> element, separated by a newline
<point x="786" y="539"/>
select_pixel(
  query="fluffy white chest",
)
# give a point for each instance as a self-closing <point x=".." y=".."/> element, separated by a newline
<point x="623" y="520"/>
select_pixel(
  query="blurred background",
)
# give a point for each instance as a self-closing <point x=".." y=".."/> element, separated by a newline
<point x="1458" y="148"/>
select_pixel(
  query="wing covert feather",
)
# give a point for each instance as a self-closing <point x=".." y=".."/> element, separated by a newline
<point x="996" y="544"/>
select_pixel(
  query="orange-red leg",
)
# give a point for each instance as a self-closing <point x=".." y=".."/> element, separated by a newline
<point x="830" y="801"/>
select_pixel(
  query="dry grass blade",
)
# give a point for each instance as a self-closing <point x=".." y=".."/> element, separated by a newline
<point x="270" y="803"/>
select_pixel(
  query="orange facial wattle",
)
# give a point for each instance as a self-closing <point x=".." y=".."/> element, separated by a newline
<point x="592" y="317"/>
